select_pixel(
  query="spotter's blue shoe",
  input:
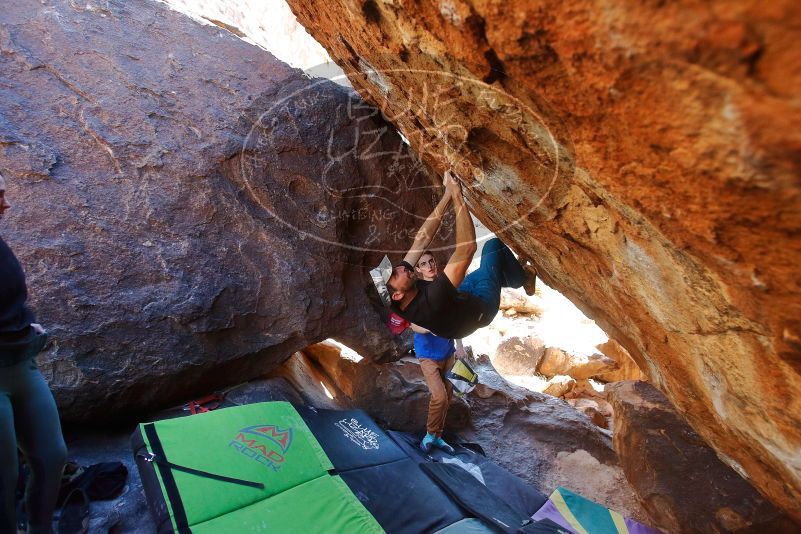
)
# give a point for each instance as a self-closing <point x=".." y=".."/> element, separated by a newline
<point x="428" y="442"/>
<point x="442" y="445"/>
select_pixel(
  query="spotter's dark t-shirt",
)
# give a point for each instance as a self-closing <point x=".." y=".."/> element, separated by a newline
<point x="443" y="310"/>
<point x="15" y="316"/>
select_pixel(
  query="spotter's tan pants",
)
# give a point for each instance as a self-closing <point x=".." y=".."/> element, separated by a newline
<point x="441" y="392"/>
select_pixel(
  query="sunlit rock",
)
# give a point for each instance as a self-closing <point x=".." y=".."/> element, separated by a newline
<point x="644" y="158"/>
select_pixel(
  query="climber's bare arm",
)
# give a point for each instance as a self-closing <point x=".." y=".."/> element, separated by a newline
<point x="429" y="229"/>
<point x="456" y="269"/>
<point x="419" y="329"/>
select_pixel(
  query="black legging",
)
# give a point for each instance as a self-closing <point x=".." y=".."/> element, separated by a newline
<point x="29" y="420"/>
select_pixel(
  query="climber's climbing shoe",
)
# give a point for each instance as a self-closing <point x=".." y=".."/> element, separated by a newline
<point x="530" y="282"/>
<point x="442" y="445"/>
<point x="428" y="442"/>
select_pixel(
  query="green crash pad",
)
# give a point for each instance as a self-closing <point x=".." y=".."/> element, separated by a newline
<point x="268" y="443"/>
<point x="324" y="504"/>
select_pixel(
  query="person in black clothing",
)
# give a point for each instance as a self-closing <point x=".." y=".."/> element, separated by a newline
<point x="438" y="306"/>
<point x="28" y="415"/>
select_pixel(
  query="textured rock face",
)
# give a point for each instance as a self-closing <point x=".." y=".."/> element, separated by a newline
<point x="519" y="356"/>
<point x="516" y="300"/>
<point x="627" y="367"/>
<point x="529" y="355"/>
<point x="546" y="442"/>
<point x="663" y="457"/>
<point x="558" y="362"/>
<point x="645" y="158"/>
<point x="189" y="210"/>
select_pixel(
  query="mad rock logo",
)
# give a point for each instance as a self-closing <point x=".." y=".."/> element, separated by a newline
<point x="361" y="436"/>
<point x="264" y="444"/>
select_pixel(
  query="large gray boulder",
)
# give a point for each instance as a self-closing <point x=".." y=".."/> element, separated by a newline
<point x="189" y="210"/>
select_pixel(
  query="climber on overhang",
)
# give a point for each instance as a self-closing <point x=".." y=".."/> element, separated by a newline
<point x="438" y="306"/>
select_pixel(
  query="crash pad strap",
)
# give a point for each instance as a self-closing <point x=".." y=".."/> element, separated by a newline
<point x="173" y="496"/>
<point x="453" y="376"/>
<point x="151" y="457"/>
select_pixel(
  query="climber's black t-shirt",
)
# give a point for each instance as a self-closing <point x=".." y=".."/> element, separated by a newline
<point x="443" y="310"/>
